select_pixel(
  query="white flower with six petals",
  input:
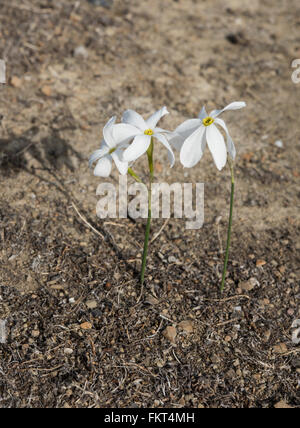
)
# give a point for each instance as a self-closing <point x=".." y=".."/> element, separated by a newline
<point x="141" y="131"/>
<point x="111" y="149"/>
<point x="192" y="136"/>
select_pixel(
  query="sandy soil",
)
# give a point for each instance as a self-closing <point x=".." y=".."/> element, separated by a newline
<point x="79" y="331"/>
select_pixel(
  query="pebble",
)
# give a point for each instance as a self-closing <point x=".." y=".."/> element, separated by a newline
<point x="47" y="91"/>
<point x="260" y="263"/>
<point x="170" y="333"/>
<point x="279" y="144"/>
<point x="151" y="300"/>
<point x="35" y="333"/>
<point x="281" y="348"/>
<point x="91" y="304"/>
<point x="267" y="335"/>
<point x="86" y="326"/>
<point x="186" y="326"/>
<point x="249" y="285"/>
<point x="81" y="51"/>
<point x="68" y="351"/>
<point x="16" y="82"/>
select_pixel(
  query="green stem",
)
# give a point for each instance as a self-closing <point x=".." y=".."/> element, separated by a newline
<point x="134" y="175"/>
<point x="148" y="227"/>
<point x="229" y="228"/>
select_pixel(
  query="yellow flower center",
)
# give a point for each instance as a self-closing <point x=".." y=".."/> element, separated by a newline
<point x="112" y="151"/>
<point x="208" y="121"/>
<point x="149" y="132"/>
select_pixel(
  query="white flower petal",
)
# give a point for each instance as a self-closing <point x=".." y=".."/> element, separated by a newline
<point x="133" y="118"/>
<point x="117" y="157"/>
<point x="139" y="146"/>
<point x="104" y="150"/>
<point x="165" y="142"/>
<point x="203" y="114"/>
<point x="103" y="167"/>
<point x="233" y="106"/>
<point x="188" y="127"/>
<point x="176" y="141"/>
<point x="217" y="146"/>
<point x="193" y="148"/>
<point x="162" y="131"/>
<point x="155" y="118"/>
<point x="123" y="133"/>
<point x="230" y="144"/>
<point x="107" y="132"/>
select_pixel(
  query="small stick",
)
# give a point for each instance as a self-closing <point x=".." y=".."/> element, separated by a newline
<point x="86" y="222"/>
<point x="160" y="231"/>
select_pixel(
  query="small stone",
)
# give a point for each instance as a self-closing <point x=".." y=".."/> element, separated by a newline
<point x="35" y="333"/>
<point x="281" y="348"/>
<point x="249" y="285"/>
<point x="260" y="263"/>
<point x="16" y="82"/>
<point x="172" y="259"/>
<point x="186" y="326"/>
<point x="228" y="339"/>
<point x="151" y="300"/>
<point x="72" y="300"/>
<point x="238" y="309"/>
<point x="279" y="144"/>
<point x="282" y="405"/>
<point x="267" y="335"/>
<point x="160" y="363"/>
<point x="86" y="326"/>
<point x="68" y="351"/>
<point x="81" y="51"/>
<point x="91" y="304"/>
<point x="46" y="90"/>
<point x="170" y="333"/>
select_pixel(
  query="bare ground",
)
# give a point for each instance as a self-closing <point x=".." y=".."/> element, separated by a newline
<point x="80" y="332"/>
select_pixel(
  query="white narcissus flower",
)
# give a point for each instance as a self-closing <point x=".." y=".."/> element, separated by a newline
<point x="141" y="131"/>
<point x="111" y="149"/>
<point x="193" y="134"/>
